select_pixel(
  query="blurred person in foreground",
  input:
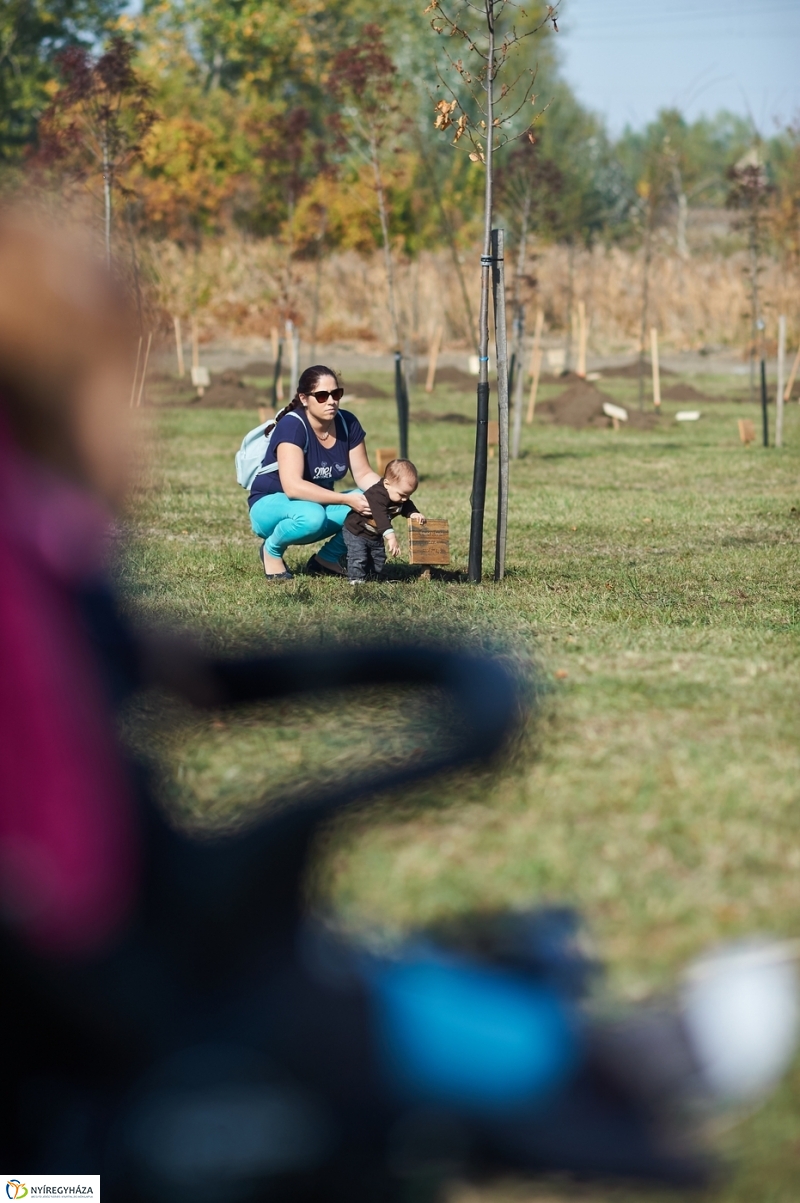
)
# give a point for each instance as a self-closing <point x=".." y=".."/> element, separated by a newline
<point x="67" y="844"/>
<point x="174" y="1019"/>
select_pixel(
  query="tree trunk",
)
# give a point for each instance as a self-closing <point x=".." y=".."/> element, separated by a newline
<point x="645" y="302"/>
<point x="501" y="353"/>
<point x="683" y="221"/>
<point x="135" y="266"/>
<point x="517" y="376"/>
<point x="107" y="195"/>
<point x="482" y="417"/>
<point x="451" y="241"/>
<point x="387" y="249"/>
<point x="317" y="282"/>
<point x="754" y="328"/>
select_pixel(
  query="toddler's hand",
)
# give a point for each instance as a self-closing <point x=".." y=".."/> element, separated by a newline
<point x="420" y="518"/>
<point x="392" y="546"/>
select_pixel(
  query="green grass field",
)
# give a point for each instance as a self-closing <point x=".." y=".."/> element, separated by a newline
<point x="651" y="600"/>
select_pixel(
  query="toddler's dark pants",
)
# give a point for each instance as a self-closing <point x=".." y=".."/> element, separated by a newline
<point x="363" y="551"/>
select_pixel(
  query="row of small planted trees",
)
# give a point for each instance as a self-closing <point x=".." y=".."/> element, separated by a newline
<point x="104" y="111"/>
<point x="489" y="94"/>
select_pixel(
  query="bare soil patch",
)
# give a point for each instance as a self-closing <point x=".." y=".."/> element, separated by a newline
<point x="685" y="392"/>
<point x="425" y="415"/>
<point x="581" y="407"/>
<point x="226" y="391"/>
<point x="630" y="371"/>
<point x="362" y="388"/>
<point x="259" y="368"/>
<point x="451" y="375"/>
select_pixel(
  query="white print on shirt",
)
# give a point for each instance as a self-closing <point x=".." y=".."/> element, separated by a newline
<point x="323" y="472"/>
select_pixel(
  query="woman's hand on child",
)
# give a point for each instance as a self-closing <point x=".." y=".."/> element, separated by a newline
<point x="392" y="546"/>
<point x="357" y="502"/>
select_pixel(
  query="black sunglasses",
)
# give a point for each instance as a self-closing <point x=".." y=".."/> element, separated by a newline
<point x="323" y="394"/>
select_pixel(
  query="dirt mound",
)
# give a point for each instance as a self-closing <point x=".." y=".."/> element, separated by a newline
<point x="425" y="415"/>
<point x="229" y="396"/>
<point x="630" y="371"/>
<point x="362" y="388"/>
<point x="642" y="421"/>
<point x="581" y="407"/>
<point x="226" y="391"/>
<point x="684" y="392"/>
<point x="456" y="376"/>
<point x="259" y="368"/>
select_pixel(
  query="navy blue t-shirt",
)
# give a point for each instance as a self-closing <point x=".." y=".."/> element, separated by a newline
<point x="322" y="465"/>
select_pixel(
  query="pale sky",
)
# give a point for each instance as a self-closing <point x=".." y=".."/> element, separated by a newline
<point x="628" y="58"/>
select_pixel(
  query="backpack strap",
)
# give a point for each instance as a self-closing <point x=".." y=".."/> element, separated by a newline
<point x="274" y="467"/>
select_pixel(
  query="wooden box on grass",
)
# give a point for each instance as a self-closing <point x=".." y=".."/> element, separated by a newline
<point x="747" y="431"/>
<point x="429" y="544"/>
<point x="384" y="456"/>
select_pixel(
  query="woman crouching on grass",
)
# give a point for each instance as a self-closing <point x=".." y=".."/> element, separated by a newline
<point x="312" y="447"/>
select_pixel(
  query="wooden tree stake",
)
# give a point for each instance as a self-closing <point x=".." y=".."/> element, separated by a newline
<point x="136" y="371"/>
<point x="582" y="338"/>
<point x="293" y="339"/>
<point x="144" y="369"/>
<point x="433" y="355"/>
<point x="656" y="371"/>
<point x="536" y="364"/>
<point x="787" y="392"/>
<point x="781" y="377"/>
<point x="195" y="345"/>
<point x="179" y="347"/>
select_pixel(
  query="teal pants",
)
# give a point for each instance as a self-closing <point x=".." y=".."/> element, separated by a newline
<point x="283" y="523"/>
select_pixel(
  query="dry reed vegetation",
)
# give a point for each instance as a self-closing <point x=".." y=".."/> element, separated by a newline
<point x="239" y="286"/>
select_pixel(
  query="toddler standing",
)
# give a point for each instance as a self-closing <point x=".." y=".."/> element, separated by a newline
<point x="364" y="534"/>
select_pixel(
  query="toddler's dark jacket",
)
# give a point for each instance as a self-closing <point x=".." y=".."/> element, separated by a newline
<point x="384" y="511"/>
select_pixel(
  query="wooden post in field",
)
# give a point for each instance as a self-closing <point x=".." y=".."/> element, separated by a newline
<point x="433" y="355"/>
<point x="536" y="364"/>
<point x="293" y="339"/>
<point x="656" y="370"/>
<point x="519" y="384"/>
<point x="144" y="370"/>
<point x="787" y="392"/>
<point x="136" y="371"/>
<point x="179" y="347"/>
<point x="582" y="338"/>
<point x="195" y="345"/>
<point x="781" y="377"/>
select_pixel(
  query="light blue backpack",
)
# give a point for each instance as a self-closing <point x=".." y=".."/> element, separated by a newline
<point x="249" y="457"/>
